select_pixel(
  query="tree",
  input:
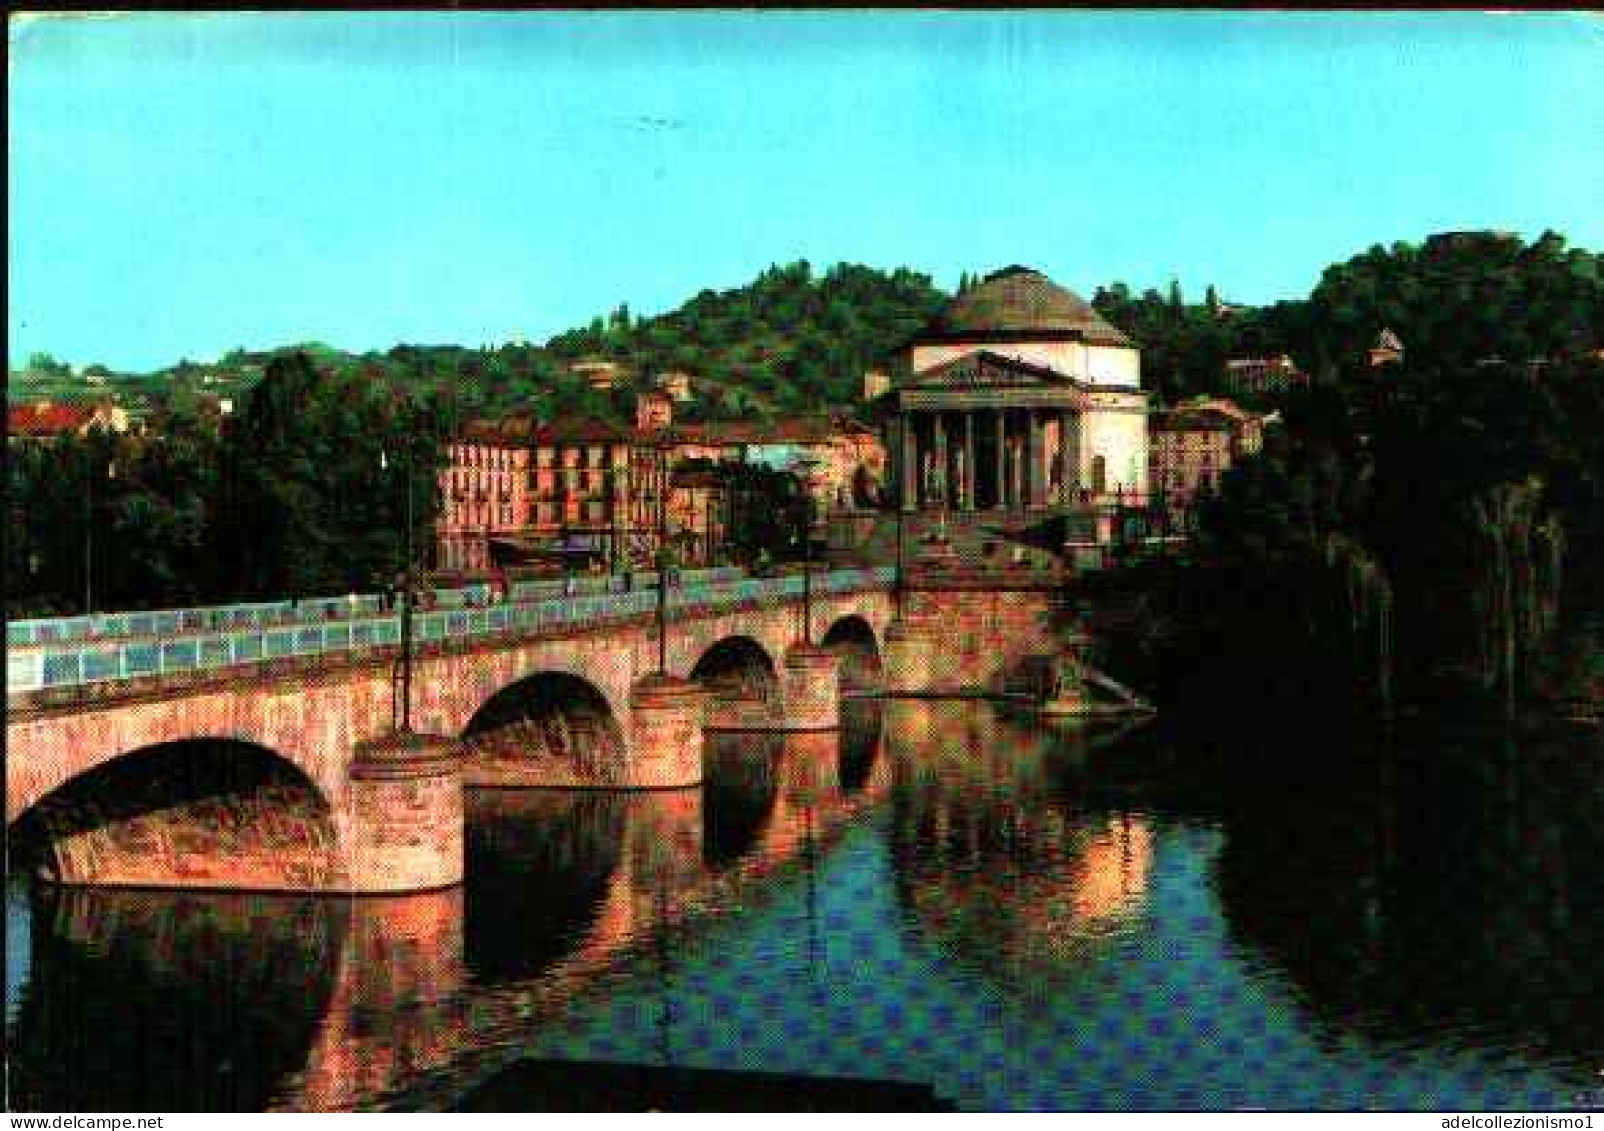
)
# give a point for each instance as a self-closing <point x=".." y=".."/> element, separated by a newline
<point x="317" y="471"/>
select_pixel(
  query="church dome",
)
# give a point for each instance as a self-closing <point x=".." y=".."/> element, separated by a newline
<point x="1019" y="304"/>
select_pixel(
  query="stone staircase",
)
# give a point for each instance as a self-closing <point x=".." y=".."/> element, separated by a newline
<point x="979" y="540"/>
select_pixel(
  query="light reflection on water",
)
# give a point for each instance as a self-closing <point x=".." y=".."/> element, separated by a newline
<point x="945" y="894"/>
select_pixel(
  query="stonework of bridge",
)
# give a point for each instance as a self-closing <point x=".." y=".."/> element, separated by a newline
<point x="391" y="997"/>
<point x="411" y="1001"/>
<point x="290" y="777"/>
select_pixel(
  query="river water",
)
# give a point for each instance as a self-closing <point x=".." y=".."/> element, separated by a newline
<point x="945" y="894"/>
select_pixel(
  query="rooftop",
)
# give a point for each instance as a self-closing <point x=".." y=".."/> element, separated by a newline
<point x="1191" y="419"/>
<point x="525" y="430"/>
<point x="1387" y="340"/>
<point x="46" y="418"/>
<point x="1020" y="304"/>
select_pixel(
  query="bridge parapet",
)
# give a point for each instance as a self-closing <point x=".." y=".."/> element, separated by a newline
<point x="30" y="669"/>
<point x="30" y="632"/>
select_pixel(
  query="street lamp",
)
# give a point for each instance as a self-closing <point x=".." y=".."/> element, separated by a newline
<point x="901" y="561"/>
<point x="806" y="465"/>
<point x="663" y="558"/>
<point x="401" y="711"/>
<point x="612" y="518"/>
<point x="89" y="532"/>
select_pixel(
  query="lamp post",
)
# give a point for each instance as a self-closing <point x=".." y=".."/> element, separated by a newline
<point x="663" y="558"/>
<point x="89" y="531"/>
<point x="612" y="518"/>
<point x="896" y="592"/>
<point x="806" y="465"/>
<point x="401" y="711"/>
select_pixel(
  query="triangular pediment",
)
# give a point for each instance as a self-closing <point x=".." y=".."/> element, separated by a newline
<point x="986" y="370"/>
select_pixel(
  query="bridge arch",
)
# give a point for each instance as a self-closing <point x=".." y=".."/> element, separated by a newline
<point x="552" y="717"/>
<point x="191" y="813"/>
<point x="854" y="639"/>
<point x="742" y="680"/>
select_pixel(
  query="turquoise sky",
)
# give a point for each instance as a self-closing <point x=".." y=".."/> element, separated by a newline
<point x="184" y="184"/>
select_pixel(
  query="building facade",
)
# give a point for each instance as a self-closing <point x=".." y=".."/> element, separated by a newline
<point x="1191" y="446"/>
<point x="1020" y="397"/>
<point x="484" y="490"/>
<point x="518" y="490"/>
<point x="580" y="485"/>
<point x="1261" y="375"/>
<point x="676" y="384"/>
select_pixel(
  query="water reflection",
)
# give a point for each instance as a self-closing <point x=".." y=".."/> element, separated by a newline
<point x="739" y="790"/>
<point x="1447" y="891"/>
<point x="151" y="1001"/>
<point x="945" y="893"/>
<point x="861" y="731"/>
<point x="995" y="859"/>
<point x="538" y="867"/>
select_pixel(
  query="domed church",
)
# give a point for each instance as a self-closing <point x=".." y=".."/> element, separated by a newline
<point x="1018" y="397"/>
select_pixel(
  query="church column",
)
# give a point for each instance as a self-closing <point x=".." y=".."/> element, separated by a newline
<point x="1069" y="447"/>
<point x="1000" y="499"/>
<point x="910" y="462"/>
<point x="968" y="500"/>
<point x="1016" y="466"/>
<point x="1036" y="446"/>
<point x="939" y="441"/>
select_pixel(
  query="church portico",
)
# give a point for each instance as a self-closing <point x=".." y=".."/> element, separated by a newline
<point x="981" y="423"/>
<point x="1011" y="446"/>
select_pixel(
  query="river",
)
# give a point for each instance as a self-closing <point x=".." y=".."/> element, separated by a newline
<point x="945" y="894"/>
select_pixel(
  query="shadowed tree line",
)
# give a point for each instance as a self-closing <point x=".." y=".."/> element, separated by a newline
<point x="1413" y="531"/>
<point x="1454" y="298"/>
<point x="303" y="491"/>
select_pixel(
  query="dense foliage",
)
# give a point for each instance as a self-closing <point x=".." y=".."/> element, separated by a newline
<point x="1454" y="300"/>
<point x="788" y="342"/>
<point x="289" y="496"/>
<point x="1404" y="536"/>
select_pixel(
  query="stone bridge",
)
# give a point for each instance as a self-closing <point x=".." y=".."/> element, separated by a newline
<point x="410" y="1002"/>
<point x="288" y="773"/>
<point x="389" y="993"/>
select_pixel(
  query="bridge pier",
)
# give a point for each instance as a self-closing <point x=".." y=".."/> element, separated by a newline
<point x="812" y="688"/>
<point x="403" y="820"/>
<point x="665" y="733"/>
<point x="971" y="641"/>
<point x="911" y="642"/>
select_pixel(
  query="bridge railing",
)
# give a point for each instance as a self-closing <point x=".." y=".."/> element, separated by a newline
<point x="72" y="664"/>
<point x="266" y="614"/>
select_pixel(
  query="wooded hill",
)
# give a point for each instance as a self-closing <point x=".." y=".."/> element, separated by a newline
<point x="796" y="341"/>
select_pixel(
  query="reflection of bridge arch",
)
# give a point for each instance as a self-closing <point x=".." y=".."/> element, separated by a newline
<point x="172" y="1001"/>
<point x="549" y="719"/>
<point x="739" y="791"/>
<point x="860" y="742"/>
<point x="539" y="867"/>
<point x="743" y="684"/>
<point x="854" y="640"/>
